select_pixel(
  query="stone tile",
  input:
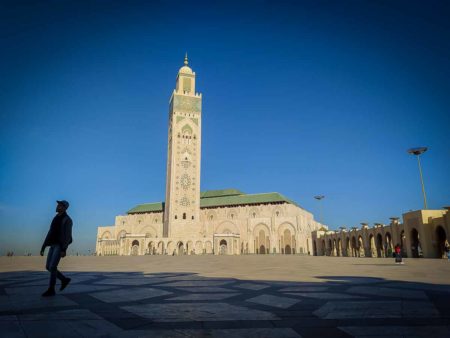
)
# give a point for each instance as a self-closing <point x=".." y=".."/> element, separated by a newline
<point x="418" y="286"/>
<point x="134" y="294"/>
<point x="127" y="281"/>
<point x="205" y="296"/>
<point x="252" y="286"/>
<point x="186" y="312"/>
<point x="10" y="327"/>
<point x="69" y="328"/>
<point x="275" y="301"/>
<point x="376" y="309"/>
<point x="74" y="314"/>
<point x="388" y="292"/>
<point x="196" y="283"/>
<point x="26" y="302"/>
<point x="218" y="333"/>
<point x="205" y="289"/>
<point x="75" y="280"/>
<point x="397" y="331"/>
<point x="81" y="288"/>
<point x="5" y="304"/>
<point x="304" y="289"/>
<point x="324" y="295"/>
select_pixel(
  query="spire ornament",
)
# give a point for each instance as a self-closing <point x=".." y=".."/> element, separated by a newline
<point x="186" y="60"/>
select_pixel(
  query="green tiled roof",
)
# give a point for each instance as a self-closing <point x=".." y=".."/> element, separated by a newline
<point x="147" y="207"/>
<point x="218" y="198"/>
<point x="219" y="193"/>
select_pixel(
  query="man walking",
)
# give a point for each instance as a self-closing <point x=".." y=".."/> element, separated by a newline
<point x="58" y="239"/>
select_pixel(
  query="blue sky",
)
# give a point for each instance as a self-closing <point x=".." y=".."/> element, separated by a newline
<point x="315" y="97"/>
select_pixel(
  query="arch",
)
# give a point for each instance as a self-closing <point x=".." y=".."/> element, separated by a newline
<point x="323" y="248"/>
<point x="441" y="237"/>
<point x="227" y="226"/>
<point x="190" y="248"/>
<point x="151" y="248"/>
<point x="330" y="247"/>
<point x="135" y="248"/>
<point x="187" y="129"/>
<point x="415" y="243"/>
<point x="223" y="247"/>
<point x="106" y="235"/>
<point x="171" y="248"/>
<point x="180" y="248"/>
<point x="208" y="247"/>
<point x="339" y="247"/>
<point x="261" y="235"/>
<point x="198" y="247"/>
<point x="403" y="243"/>
<point x="379" y="245"/>
<point x="287" y="242"/>
<point x="388" y="244"/>
<point x="148" y="229"/>
<point x="277" y="212"/>
<point x="314" y="248"/>
<point x="253" y="212"/>
<point x="353" y="244"/>
<point x="360" y="246"/>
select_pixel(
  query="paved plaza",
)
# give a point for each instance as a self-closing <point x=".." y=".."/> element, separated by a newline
<point x="227" y="296"/>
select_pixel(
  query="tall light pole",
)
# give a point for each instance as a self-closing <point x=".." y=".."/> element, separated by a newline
<point x="419" y="151"/>
<point x="319" y="198"/>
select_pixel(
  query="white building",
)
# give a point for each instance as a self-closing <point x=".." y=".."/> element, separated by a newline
<point x="193" y="222"/>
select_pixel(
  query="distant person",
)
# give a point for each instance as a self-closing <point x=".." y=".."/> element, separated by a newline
<point x="398" y="254"/>
<point x="58" y="239"/>
<point x="447" y="249"/>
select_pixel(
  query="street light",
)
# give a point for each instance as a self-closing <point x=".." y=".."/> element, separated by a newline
<point x="319" y="198"/>
<point x="419" y="151"/>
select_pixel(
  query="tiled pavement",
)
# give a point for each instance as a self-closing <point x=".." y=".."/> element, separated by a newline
<point x="127" y="304"/>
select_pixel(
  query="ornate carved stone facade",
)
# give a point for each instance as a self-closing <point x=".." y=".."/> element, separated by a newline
<point x="190" y="222"/>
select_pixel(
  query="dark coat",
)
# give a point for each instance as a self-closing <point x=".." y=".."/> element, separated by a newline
<point x="65" y="234"/>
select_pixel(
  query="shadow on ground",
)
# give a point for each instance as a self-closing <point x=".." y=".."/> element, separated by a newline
<point x="115" y="304"/>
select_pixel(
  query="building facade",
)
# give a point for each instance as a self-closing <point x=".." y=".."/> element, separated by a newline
<point x="213" y="222"/>
<point x="421" y="234"/>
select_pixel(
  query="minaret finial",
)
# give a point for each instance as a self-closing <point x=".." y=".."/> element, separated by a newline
<point x="186" y="59"/>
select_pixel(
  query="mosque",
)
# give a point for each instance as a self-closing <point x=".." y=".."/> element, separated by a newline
<point x="191" y="222"/>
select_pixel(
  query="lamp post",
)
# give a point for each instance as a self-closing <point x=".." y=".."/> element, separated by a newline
<point x="319" y="198"/>
<point x="419" y="151"/>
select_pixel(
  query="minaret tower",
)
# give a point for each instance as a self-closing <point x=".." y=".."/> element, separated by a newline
<point x="182" y="206"/>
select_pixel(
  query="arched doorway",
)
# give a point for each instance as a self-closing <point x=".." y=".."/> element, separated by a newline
<point x="323" y="248"/>
<point x="223" y="249"/>
<point x="151" y="248"/>
<point x="330" y="248"/>
<point x="314" y="248"/>
<point x="354" y="247"/>
<point x="339" y="247"/>
<point x="347" y="247"/>
<point x="161" y="248"/>
<point x="262" y="243"/>
<point x="180" y="248"/>
<point x="135" y="248"/>
<point x="388" y="244"/>
<point x="403" y="243"/>
<point x="360" y="247"/>
<point x="287" y="242"/>
<point x="441" y="237"/>
<point x="415" y="243"/>
<point x="379" y="246"/>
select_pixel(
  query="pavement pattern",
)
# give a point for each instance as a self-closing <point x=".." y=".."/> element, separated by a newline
<point x="185" y="304"/>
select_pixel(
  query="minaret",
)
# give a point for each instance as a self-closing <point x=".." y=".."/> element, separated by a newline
<point x="182" y="206"/>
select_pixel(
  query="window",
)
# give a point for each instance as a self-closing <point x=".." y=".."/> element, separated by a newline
<point x="176" y="217"/>
<point x="192" y="217"/>
<point x="184" y="215"/>
<point x="254" y="215"/>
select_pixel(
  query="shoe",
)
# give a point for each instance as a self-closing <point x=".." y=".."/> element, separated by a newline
<point x="49" y="293"/>
<point x="64" y="283"/>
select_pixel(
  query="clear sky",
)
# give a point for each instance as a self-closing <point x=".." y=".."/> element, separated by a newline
<point x="302" y="98"/>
